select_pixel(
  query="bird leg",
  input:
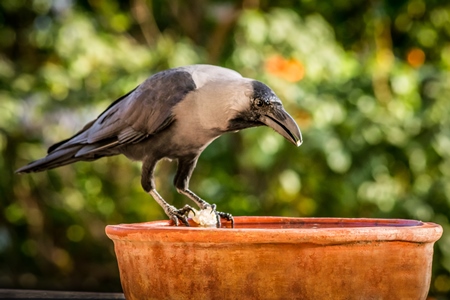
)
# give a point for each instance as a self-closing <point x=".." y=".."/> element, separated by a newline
<point x="148" y="184"/>
<point x="186" y="166"/>
<point x="171" y="211"/>
<point x="205" y="205"/>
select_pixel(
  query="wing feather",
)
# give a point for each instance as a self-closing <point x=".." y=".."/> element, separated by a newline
<point x="144" y="111"/>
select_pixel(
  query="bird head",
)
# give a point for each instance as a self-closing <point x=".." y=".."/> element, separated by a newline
<point x="265" y="108"/>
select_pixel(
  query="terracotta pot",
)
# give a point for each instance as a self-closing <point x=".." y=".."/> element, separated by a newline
<point x="277" y="258"/>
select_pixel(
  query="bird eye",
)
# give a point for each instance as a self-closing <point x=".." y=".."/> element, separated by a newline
<point x="259" y="102"/>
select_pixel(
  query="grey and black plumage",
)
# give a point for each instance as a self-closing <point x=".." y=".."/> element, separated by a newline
<point x="174" y="114"/>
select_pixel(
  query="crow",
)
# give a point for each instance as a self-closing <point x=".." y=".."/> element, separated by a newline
<point x="174" y="114"/>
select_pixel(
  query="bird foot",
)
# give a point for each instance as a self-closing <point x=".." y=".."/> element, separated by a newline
<point x="208" y="216"/>
<point x="177" y="215"/>
<point x="226" y="216"/>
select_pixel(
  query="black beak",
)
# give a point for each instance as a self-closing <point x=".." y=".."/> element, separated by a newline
<point x="280" y="121"/>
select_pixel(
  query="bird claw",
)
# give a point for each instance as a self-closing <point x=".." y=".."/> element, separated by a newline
<point x="181" y="214"/>
<point x="227" y="216"/>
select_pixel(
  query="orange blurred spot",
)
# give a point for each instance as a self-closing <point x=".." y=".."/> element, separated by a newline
<point x="415" y="57"/>
<point x="289" y="69"/>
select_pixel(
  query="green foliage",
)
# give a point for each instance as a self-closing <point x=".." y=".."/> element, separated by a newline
<point x="367" y="82"/>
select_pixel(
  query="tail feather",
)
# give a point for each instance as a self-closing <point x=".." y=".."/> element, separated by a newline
<point x="54" y="159"/>
<point x="72" y="150"/>
<point x="69" y="153"/>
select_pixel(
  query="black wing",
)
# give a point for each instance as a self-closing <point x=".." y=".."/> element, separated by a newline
<point x="144" y="111"/>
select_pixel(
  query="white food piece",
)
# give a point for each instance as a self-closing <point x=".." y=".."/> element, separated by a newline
<point x="204" y="217"/>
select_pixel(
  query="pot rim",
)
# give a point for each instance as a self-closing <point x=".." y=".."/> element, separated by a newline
<point x="299" y="230"/>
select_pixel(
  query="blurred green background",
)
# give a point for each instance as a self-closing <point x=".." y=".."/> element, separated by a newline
<point x="367" y="81"/>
